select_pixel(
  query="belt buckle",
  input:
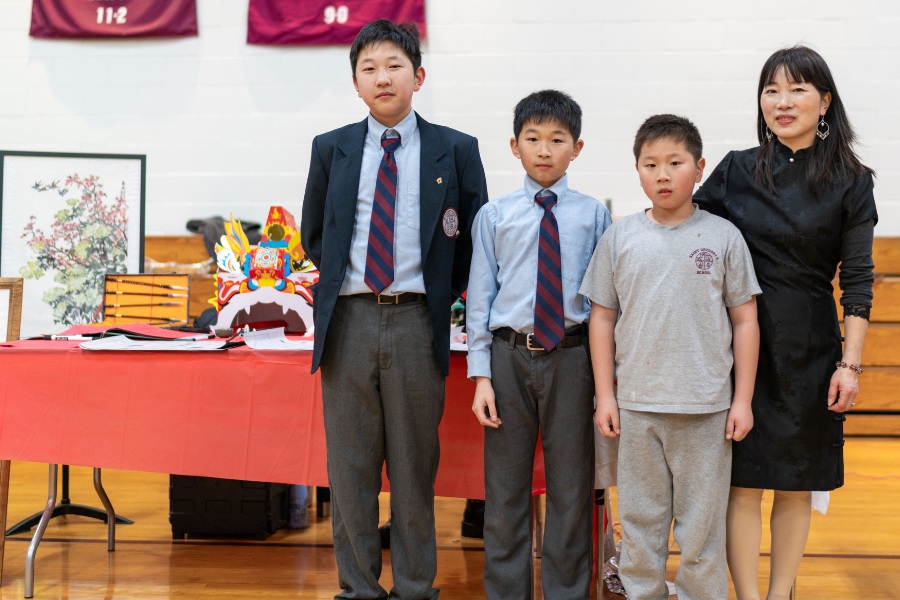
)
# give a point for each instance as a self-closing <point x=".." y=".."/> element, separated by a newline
<point x="531" y="344"/>
<point x="389" y="299"/>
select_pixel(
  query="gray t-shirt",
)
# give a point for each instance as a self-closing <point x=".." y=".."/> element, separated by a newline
<point x="672" y="286"/>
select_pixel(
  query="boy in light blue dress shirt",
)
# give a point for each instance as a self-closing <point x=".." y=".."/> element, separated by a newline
<point x="522" y="387"/>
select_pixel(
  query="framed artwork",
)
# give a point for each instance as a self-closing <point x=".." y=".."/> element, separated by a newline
<point x="10" y="307"/>
<point x="66" y="220"/>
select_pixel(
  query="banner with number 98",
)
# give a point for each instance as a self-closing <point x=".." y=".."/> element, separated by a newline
<point x="321" y="22"/>
<point x="113" y="18"/>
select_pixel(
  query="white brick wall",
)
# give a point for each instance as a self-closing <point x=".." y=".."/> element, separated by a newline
<point x="227" y="127"/>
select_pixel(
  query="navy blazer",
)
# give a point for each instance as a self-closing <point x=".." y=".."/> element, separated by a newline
<point x="452" y="176"/>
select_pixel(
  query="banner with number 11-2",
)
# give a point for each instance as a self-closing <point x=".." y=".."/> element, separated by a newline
<point x="113" y="18"/>
<point x="322" y="22"/>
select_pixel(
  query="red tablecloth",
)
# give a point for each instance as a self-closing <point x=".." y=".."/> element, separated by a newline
<point x="238" y="414"/>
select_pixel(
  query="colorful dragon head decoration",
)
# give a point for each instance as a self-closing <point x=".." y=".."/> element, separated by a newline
<point x="265" y="285"/>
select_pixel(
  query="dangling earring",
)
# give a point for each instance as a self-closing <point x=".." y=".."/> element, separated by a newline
<point x="822" y="133"/>
<point x="768" y="134"/>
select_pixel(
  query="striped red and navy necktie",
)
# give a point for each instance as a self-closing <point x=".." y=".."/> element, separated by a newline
<point x="549" y="321"/>
<point x="380" y="255"/>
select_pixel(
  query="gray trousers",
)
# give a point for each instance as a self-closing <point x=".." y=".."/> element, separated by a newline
<point x="550" y="394"/>
<point x="673" y="467"/>
<point x="383" y="397"/>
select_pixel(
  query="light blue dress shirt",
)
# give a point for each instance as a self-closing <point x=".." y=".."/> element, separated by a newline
<point x="407" y="246"/>
<point x="503" y="277"/>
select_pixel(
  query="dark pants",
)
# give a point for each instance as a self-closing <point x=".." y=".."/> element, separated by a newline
<point x="551" y="394"/>
<point x="383" y="397"/>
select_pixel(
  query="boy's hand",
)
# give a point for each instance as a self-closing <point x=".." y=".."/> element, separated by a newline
<point x="606" y="417"/>
<point x="485" y="406"/>
<point x="740" y="421"/>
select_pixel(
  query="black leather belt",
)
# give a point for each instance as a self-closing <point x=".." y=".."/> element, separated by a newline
<point x="398" y="299"/>
<point x="575" y="336"/>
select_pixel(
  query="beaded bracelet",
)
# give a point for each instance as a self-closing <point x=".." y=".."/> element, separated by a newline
<point x="842" y="365"/>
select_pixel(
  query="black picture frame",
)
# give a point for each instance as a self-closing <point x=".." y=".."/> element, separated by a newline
<point x="67" y="219"/>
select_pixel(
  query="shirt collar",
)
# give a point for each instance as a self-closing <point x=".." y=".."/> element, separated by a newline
<point x="786" y="152"/>
<point x="405" y="128"/>
<point x="559" y="188"/>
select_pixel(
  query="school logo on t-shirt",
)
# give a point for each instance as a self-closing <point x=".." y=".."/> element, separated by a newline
<point x="704" y="259"/>
<point x="450" y="222"/>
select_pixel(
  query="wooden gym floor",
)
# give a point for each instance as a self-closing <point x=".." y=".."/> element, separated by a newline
<point x="853" y="552"/>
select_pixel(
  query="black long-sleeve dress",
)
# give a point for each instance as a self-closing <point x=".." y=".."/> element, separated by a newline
<point x="796" y="240"/>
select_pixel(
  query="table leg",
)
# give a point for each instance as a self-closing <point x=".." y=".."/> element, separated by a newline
<point x="537" y="537"/>
<point x="4" y="501"/>
<point x="537" y="518"/>
<point x="110" y="513"/>
<point x="64" y="506"/>
<point x="39" y="532"/>
<point x="600" y="510"/>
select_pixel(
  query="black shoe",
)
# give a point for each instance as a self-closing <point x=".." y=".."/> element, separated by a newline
<point x="473" y="519"/>
<point x="385" y="532"/>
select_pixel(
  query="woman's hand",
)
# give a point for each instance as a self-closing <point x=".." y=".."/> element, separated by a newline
<point x="843" y="390"/>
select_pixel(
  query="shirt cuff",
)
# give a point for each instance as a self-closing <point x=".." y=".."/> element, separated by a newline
<point x="479" y="364"/>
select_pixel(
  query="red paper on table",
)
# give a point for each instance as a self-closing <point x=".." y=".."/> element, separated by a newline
<point x="321" y="22"/>
<point x="113" y="18"/>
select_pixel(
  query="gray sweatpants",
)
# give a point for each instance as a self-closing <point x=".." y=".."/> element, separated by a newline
<point x="673" y="467"/>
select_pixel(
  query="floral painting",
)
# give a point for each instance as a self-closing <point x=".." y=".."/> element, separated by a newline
<point x="67" y="221"/>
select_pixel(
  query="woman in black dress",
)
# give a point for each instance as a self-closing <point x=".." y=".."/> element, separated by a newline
<point x="804" y="202"/>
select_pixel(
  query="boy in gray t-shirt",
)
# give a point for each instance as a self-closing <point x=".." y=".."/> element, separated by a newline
<point x="683" y="282"/>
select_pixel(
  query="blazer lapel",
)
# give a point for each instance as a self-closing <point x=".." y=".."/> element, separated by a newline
<point x="433" y="181"/>
<point x="344" y="179"/>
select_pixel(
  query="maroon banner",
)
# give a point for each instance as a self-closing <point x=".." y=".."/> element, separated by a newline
<point x="319" y="22"/>
<point x="113" y="18"/>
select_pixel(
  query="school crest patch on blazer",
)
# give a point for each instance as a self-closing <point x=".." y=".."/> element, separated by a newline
<point x="450" y="222"/>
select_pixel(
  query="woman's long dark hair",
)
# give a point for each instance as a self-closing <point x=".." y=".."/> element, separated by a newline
<point x="830" y="159"/>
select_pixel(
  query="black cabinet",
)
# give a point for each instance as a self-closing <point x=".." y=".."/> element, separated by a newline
<point x="207" y="506"/>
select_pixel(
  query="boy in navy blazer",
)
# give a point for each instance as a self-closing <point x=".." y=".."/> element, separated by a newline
<point x="387" y="218"/>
